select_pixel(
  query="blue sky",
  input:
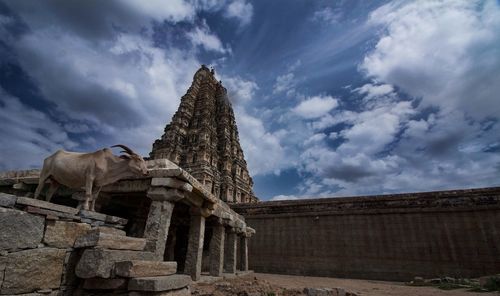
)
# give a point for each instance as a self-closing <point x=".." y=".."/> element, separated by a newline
<point x="332" y="98"/>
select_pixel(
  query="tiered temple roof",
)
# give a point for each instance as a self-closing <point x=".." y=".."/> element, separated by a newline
<point x="203" y="139"/>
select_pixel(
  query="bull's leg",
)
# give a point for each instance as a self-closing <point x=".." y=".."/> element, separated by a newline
<point x="41" y="183"/>
<point x="94" y="198"/>
<point x="52" y="189"/>
<point x="88" y="192"/>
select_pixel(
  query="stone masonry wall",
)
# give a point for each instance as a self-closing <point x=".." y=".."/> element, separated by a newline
<point x="392" y="237"/>
<point x="36" y="245"/>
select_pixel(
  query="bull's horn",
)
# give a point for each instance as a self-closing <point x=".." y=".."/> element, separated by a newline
<point x="128" y="150"/>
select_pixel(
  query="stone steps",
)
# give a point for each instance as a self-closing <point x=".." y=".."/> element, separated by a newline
<point x="159" y="283"/>
<point x="138" y="268"/>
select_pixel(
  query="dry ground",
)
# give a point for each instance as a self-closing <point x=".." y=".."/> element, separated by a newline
<point x="286" y="285"/>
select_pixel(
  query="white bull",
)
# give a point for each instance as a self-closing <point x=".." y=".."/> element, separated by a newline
<point x="90" y="171"/>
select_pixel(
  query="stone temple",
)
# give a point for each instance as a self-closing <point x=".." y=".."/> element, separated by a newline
<point x="203" y="139"/>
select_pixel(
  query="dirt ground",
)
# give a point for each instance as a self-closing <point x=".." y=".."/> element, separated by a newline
<point x="257" y="284"/>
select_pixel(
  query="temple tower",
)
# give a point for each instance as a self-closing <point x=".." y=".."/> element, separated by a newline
<point x="203" y="139"/>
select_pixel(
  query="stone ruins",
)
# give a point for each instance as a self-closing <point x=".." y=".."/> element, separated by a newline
<point x="188" y="220"/>
<point x="203" y="139"/>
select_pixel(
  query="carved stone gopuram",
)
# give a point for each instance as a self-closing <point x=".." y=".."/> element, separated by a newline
<point x="203" y="139"/>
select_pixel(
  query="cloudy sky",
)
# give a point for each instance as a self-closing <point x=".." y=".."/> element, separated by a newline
<point x="332" y="98"/>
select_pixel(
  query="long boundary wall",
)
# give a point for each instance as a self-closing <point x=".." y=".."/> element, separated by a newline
<point x="389" y="237"/>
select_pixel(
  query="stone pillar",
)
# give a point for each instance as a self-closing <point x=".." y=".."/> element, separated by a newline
<point x="217" y="250"/>
<point x="230" y="252"/>
<point x="195" y="245"/>
<point x="244" y="253"/>
<point x="157" y="225"/>
<point x="158" y="222"/>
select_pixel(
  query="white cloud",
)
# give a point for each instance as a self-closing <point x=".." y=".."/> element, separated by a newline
<point x="371" y="90"/>
<point x="241" y="10"/>
<point x="327" y="15"/>
<point x="316" y="106"/>
<point x="201" y="36"/>
<point x="174" y="10"/>
<point x="284" y="83"/>
<point x="447" y="52"/>
<point x="284" y="197"/>
<point x="240" y="91"/>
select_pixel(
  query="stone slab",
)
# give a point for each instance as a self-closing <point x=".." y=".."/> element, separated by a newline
<point x="102" y="217"/>
<point x="100" y="262"/>
<point x="179" y="292"/>
<point x="159" y="283"/>
<point x="105" y="284"/>
<point x="96" y="238"/>
<point x="61" y="234"/>
<point x="31" y="270"/>
<point x="45" y="205"/>
<point x="172" y="183"/>
<point x="137" y="268"/>
<point x="19" y="230"/>
<point x="109" y="230"/>
<point x="50" y="213"/>
<point x="7" y="200"/>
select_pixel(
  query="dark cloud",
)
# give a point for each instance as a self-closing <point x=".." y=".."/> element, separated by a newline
<point x="348" y="173"/>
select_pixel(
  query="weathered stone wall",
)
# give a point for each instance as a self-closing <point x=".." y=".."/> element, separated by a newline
<point x="392" y="237"/>
<point x="37" y="238"/>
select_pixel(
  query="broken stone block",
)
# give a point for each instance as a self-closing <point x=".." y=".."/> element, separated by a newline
<point x="136" y="268"/>
<point x="7" y="200"/>
<point x="105" y="284"/>
<point x="96" y="238"/>
<point x="159" y="283"/>
<point x="100" y="262"/>
<point x="31" y="270"/>
<point x="45" y="205"/>
<point x="62" y="234"/>
<point x="20" y="230"/>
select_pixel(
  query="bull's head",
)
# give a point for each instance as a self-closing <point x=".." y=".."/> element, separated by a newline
<point x="135" y="161"/>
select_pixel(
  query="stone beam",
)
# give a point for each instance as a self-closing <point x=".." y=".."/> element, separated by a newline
<point x="195" y="244"/>
<point x="217" y="250"/>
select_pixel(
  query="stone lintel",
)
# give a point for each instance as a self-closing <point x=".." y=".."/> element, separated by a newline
<point x="165" y="194"/>
<point x="137" y="185"/>
<point x="141" y="268"/>
<point x="172" y="183"/>
<point x="159" y="283"/>
<point x="45" y="205"/>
